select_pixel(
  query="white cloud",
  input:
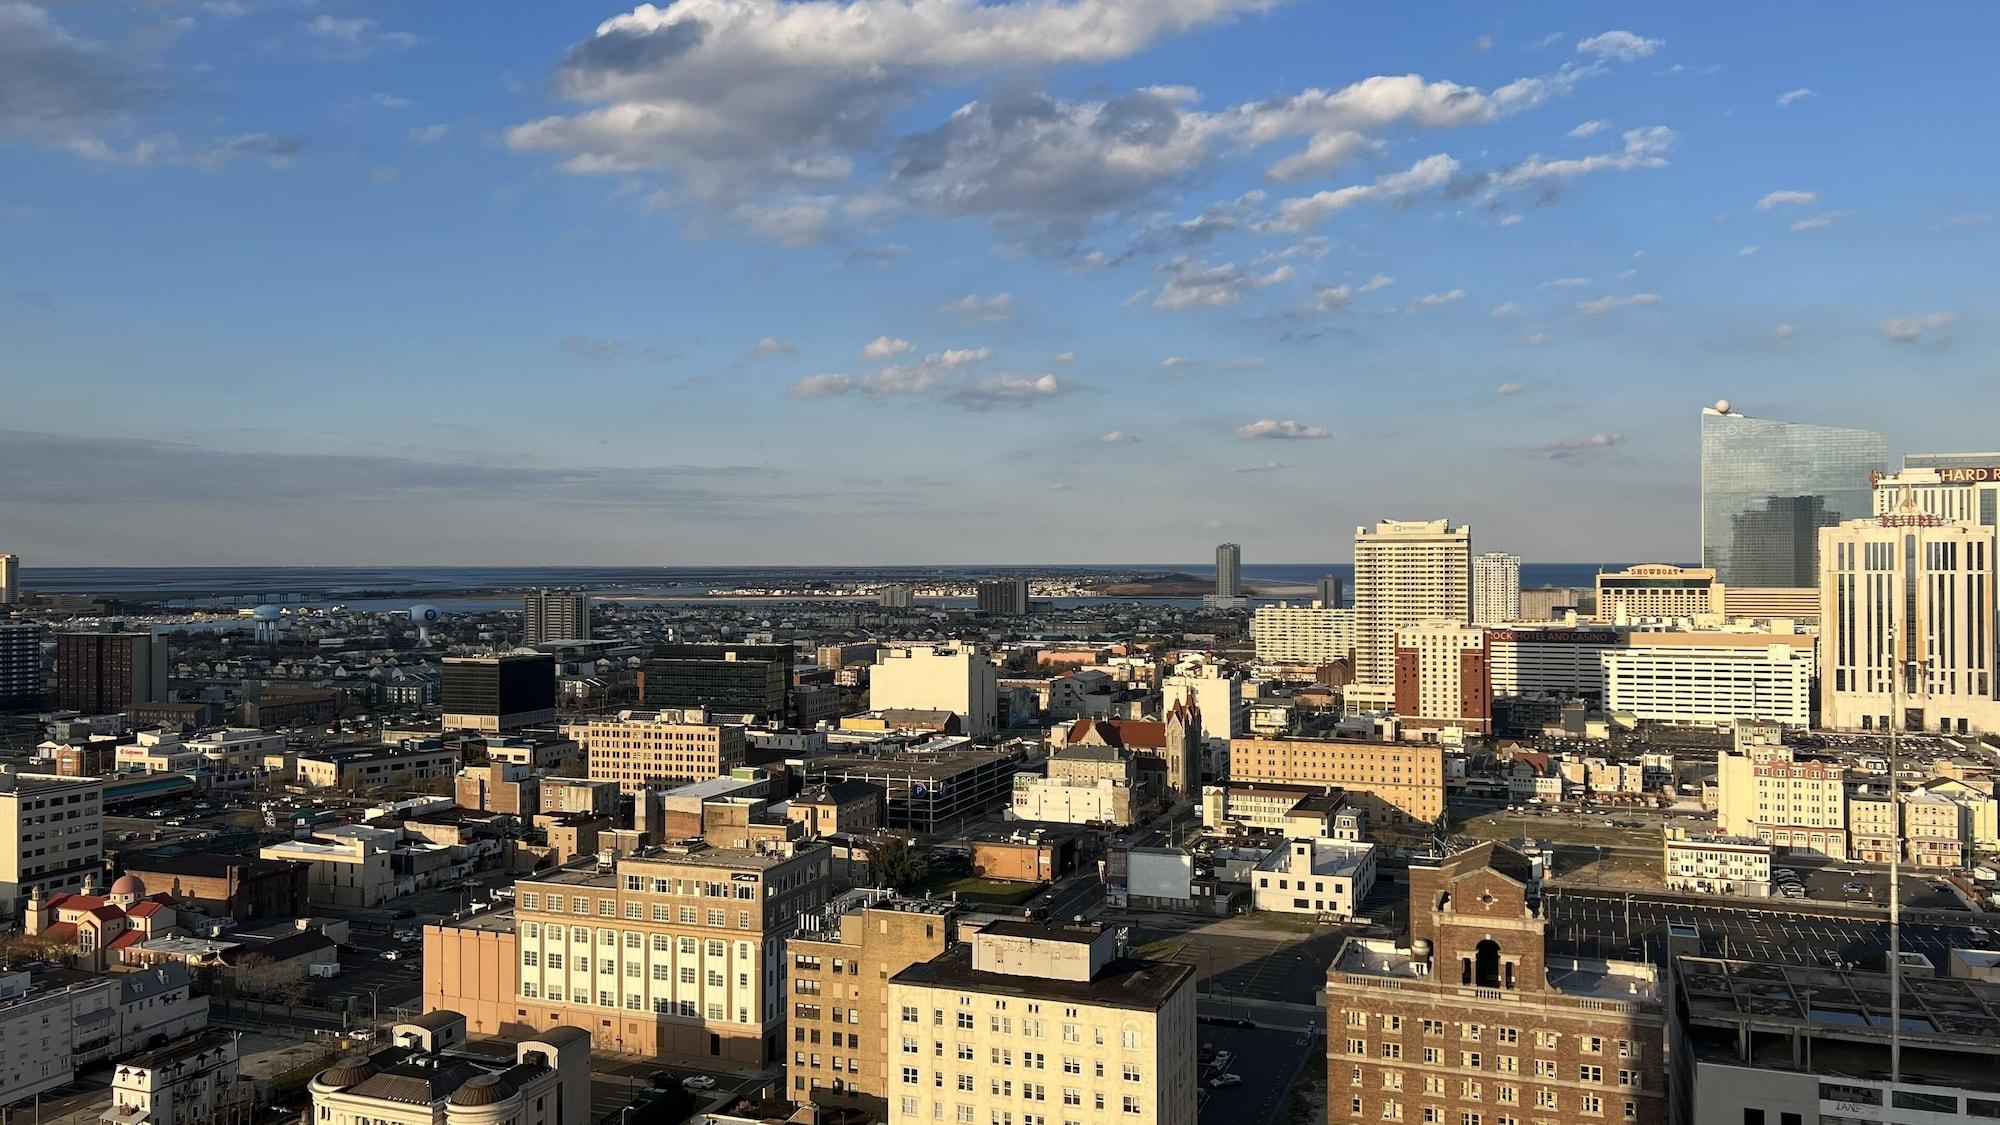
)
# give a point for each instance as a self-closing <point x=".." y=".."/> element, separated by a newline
<point x="824" y="385"/>
<point x="1483" y="43"/>
<point x="1119" y="437"/>
<point x="1606" y="303"/>
<point x="1191" y="285"/>
<point x="886" y="347"/>
<point x="428" y="134"/>
<point x="1433" y="300"/>
<point x="987" y="310"/>
<point x="770" y="345"/>
<point x="958" y="357"/>
<point x="1274" y="430"/>
<point x="1783" y="335"/>
<point x="1176" y="362"/>
<point x="795" y="222"/>
<point x="1820" y="221"/>
<point x="1587" y="129"/>
<point x="1507" y="309"/>
<point x="1063" y="357"/>
<point x="389" y="101"/>
<point x="1787" y="199"/>
<point x="1379" y="281"/>
<point x="1917" y="329"/>
<point x="1792" y="97"/>
<point x="1748" y="250"/>
<point x="1300" y="215"/>
<point x="1643" y="149"/>
<point x="1534" y="339"/>
<point x="1509" y="219"/>
<point x="340" y="39"/>
<point x="1562" y="449"/>
<point x="729" y="93"/>
<point x="1510" y="388"/>
<point x="1566" y="283"/>
<point x="588" y="347"/>
<point x="1621" y="45"/>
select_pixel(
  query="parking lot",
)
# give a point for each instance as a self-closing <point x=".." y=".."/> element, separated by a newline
<point x="1267" y="1061"/>
<point x="1593" y="924"/>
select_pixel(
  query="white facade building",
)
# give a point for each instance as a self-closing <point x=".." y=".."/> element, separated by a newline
<point x="1406" y="572"/>
<point x="1710" y="864"/>
<point x="1215" y="691"/>
<point x="1298" y="634"/>
<point x="51" y="833"/>
<point x="1549" y="661"/>
<point x="1496" y="588"/>
<point x="1711" y="678"/>
<point x="949" y="676"/>
<point x="1322" y="877"/>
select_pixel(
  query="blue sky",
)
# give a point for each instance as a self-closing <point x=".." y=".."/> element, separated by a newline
<point x="311" y="281"/>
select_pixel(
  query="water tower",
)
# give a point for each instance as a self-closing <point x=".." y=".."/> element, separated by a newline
<point x="423" y="617"/>
<point x="270" y="620"/>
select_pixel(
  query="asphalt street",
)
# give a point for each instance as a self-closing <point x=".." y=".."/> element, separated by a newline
<point x="1268" y="1062"/>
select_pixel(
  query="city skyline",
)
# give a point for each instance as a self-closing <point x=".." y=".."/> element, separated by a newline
<point x="327" y="283"/>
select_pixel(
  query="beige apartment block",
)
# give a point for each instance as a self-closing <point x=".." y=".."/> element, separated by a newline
<point x="1771" y="794"/>
<point x="841" y="961"/>
<point x="1406" y="572"/>
<point x="51" y="833"/>
<point x="1025" y="1023"/>
<point x="643" y="750"/>
<point x="1396" y="783"/>
<point x="675" y="951"/>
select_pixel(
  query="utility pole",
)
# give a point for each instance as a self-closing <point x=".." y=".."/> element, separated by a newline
<point x="1895" y="859"/>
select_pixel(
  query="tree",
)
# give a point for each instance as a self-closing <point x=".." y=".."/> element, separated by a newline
<point x="896" y="862"/>
<point x="18" y="949"/>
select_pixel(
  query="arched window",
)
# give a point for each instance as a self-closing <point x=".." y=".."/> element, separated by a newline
<point x="1486" y="964"/>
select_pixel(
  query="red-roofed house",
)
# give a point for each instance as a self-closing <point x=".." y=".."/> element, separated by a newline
<point x="100" y="927"/>
<point x="1168" y="750"/>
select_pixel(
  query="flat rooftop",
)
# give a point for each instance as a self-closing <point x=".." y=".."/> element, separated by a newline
<point x="1828" y="1000"/>
<point x="1125" y="983"/>
<point x="1331" y="858"/>
<point x="1582" y="977"/>
<point x="907" y="765"/>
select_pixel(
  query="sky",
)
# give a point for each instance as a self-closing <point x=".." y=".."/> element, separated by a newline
<point x="913" y="281"/>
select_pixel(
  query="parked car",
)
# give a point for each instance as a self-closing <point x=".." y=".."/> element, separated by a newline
<point x="1223" y="1059"/>
<point x="663" y="1079"/>
<point x="1206" y="1054"/>
<point x="393" y="955"/>
<point x="1222" y="1080"/>
<point x="698" y="1082"/>
<point x="1854" y="888"/>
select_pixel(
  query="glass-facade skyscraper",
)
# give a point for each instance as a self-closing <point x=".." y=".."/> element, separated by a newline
<point x="1768" y="487"/>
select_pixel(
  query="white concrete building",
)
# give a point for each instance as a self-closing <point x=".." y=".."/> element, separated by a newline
<point x="348" y="866"/>
<point x="948" y="676"/>
<point x="1549" y="660"/>
<point x="1323" y="877"/>
<point x="1406" y="572"/>
<point x="1301" y="634"/>
<point x="1214" y="690"/>
<point x="1496" y="588"/>
<point x="1062" y="801"/>
<point x="51" y="833"/>
<point x="190" y="1082"/>
<point x="426" y="1077"/>
<point x="1030" y="1024"/>
<point x="1768" y="793"/>
<point x="1711" y="864"/>
<point x="1711" y="678"/>
<point x="1928" y="584"/>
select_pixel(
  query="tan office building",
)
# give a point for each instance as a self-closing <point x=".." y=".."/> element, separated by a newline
<point x="643" y="750"/>
<point x="841" y="962"/>
<point x="1395" y="783"/>
<point x="1406" y="572"/>
<point x="676" y="951"/>
<point x="1035" y="1023"/>
<point x="1929" y="583"/>
<point x="1655" y="590"/>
